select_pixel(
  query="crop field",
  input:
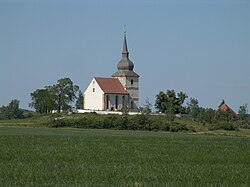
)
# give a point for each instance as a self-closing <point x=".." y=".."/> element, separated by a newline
<point x="82" y="157"/>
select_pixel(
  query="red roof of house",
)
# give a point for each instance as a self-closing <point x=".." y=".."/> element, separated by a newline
<point x="224" y="107"/>
<point x="111" y="85"/>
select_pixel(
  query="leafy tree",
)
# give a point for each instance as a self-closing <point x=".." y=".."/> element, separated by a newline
<point x="12" y="111"/>
<point x="209" y="115"/>
<point x="65" y="93"/>
<point x="243" y="111"/>
<point x="57" y="97"/>
<point x="42" y="100"/>
<point x="160" y="102"/>
<point x="170" y="103"/>
<point x="193" y="107"/>
<point x="215" y="117"/>
<point x="79" y="101"/>
<point x="170" y="112"/>
<point x="225" y="115"/>
<point x="180" y="100"/>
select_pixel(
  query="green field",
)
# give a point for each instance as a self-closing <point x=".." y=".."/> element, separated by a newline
<point x="80" y="157"/>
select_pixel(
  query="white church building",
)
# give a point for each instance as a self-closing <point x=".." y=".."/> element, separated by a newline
<point x="117" y="92"/>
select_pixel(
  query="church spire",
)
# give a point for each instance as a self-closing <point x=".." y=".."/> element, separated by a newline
<point x="125" y="46"/>
<point x="125" y="64"/>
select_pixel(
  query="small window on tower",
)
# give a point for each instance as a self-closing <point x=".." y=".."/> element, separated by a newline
<point x="132" y="81"/>
<point x="93" y="89"/>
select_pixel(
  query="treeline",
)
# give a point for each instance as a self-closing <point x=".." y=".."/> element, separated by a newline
<point x="218" y="119"/>
<point x="172" y="104"/>
<point x="13" y="111"/>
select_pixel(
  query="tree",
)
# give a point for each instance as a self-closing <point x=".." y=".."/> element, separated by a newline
<point x="42" y="100"/>
<point x="170" y="103"/>
<point x="65" y="93"/>
<point x="79" y="101"/>
<point x="181" y="98"/>
<point x="209" y="115"/>
<point x="243" y="111"/>
<point x="57" y="97"/>
<point x="12" y="111"/>
<point x="227" y="116"/>
<point x="170" y="111"/>
<point x="193" y="107"/>
<point x="160" y="102"/>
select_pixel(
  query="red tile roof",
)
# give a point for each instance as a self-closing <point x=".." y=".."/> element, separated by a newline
<point x="224" y="107"/>
<point x="111" y="85"/>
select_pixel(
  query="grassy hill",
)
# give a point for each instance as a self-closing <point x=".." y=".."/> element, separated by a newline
<point x="139" y="122"/>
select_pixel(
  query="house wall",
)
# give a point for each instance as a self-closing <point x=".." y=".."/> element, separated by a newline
<point x="110" y="101"/>
<point x="93" y="97"/>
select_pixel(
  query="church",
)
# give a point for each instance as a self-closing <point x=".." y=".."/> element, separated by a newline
<point x="117" y="93"/>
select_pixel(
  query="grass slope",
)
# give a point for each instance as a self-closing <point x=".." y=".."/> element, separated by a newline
<point x="77" y="157"/>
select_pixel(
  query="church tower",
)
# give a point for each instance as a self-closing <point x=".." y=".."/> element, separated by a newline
<point x="128" y="78"/>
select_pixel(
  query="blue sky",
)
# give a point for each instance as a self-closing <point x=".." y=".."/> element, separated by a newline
<point x="201" y="47"/>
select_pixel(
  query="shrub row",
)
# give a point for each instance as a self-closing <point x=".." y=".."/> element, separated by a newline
<point x="125" y="122"/>
<point x="230" y="126"/>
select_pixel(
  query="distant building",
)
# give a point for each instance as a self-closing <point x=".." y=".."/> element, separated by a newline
<point x="113" y="94"/>
<point x="225" y="108"/>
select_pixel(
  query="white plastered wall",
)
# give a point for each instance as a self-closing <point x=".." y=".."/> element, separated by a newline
<point x="93" y="96"/>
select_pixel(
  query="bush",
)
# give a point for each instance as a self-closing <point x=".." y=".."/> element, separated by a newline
<point x="140" y="122"/>
<point x="57" y="122"/>
<point x="110" y="122"/>
<point x="243" y="124"/>
<point x="175" y="127"/>
<point x="224" y="126"/>
<point x="29" y="115"/>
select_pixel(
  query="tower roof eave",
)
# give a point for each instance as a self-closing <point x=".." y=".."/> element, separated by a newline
<point x="125" y="73"/>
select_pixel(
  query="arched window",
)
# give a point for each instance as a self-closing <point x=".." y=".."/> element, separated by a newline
<point x="107" y="102"/>
<point x="116" y="102"/>
<point x="123" y="98"/>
